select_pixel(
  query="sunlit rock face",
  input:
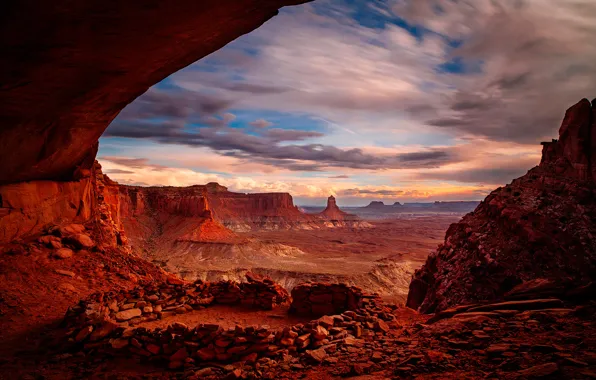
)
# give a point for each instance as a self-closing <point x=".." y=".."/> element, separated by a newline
<point x="542" y="225"/>
<point x="68" y="68"/>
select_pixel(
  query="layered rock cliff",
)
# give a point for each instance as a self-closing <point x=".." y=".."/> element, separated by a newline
<point x="542" y="225"/>
<point x="236" y="211"/>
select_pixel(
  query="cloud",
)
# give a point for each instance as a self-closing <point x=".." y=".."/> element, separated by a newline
<point x="474" y="84"/>
<point x="135" y="163"/>
<point x="261" y="123"/>
<point x="303" y="189"/>
<point x="271" y="146"/>
<point x="118" y="171"/>
<point x="342" y="176"/>
<point x="360" y="192"/>
<point x="479" y="68"/>
<point x="529" y="73"/>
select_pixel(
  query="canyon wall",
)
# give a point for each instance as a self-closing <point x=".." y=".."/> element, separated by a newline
<point x="68" y="68"/>
<point x="236" y="211"/>
<point x="27" y="208"/>
<point x="539" y="226"/>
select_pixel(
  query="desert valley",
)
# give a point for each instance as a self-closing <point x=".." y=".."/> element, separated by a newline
<point x="106" y="272"/>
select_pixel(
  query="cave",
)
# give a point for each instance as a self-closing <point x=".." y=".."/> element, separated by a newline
<point x="60" y="93"/>
<point x="69" y="68"/>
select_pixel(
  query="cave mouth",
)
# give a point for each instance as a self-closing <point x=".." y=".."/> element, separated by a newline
<point x="327" y="125"/>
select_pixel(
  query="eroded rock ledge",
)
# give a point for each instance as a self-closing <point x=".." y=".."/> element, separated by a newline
<point x="68" y="68"/>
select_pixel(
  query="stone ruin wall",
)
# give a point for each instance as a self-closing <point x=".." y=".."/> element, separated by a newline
<point x="105" y="322"/>
<point x="317" y="299"/>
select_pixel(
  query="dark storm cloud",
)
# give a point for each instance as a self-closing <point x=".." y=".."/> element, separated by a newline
<point x="424" y="156"/>
<point x="278" y="135"/>
<point x="510" y="82"/>
<point x="176" y="103"/>
<point x="489" y="175"/>
<point x="265" y="147"/>
<point x="135" y="163"/>
<point x="357" y="191"/>
<point x="255" y="89"/>
<point x="529" y="73"/>
<point x="164" y="117"/>
<point x="118" y="171"/>
<point x="492" y="173"/>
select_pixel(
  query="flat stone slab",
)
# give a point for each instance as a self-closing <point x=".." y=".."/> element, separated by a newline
<point x="521" y="305"/>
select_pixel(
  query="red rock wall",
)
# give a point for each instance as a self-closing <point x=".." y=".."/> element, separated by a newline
<point x="69" y="67"/>
<point x="27" y="208"/>
<point x="539" y="226"/>
<point x="181" y="201"/>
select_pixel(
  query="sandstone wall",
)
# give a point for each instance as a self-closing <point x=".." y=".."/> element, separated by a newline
<point x="27" y="208"/>
<point x="162" y="201"/>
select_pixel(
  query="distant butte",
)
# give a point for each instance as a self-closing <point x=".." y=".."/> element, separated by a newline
<point x="376" y="204"/>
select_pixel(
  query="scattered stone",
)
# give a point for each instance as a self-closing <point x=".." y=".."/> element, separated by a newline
<point x="81" y="241"/>
<point x="119" y="343"/>
<point x="66" y="273"/>
<point x="380" y="325"/>
<point x="68" y="287"/>
<point x="84" y="333"/>
<point x="480" y="334"/>
<point x="498" y="349"/>
<point x="63" y="253"/>
<point x="317" y="355"/>
<point x="125" y="315"/>
<point x="71" y="229"/>
<point x="574" y="362"/>
<point x="539" y="371"/>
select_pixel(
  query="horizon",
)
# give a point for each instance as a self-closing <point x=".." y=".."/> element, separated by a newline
<point x="364" y="100"/>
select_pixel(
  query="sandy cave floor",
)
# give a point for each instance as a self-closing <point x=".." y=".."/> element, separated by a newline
<point x="229" y="316"/>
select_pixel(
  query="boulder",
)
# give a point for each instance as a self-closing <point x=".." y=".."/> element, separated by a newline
<point x="125" y="315"/>
<point x="82" y="241"/>
<point x="71" y="229"/>
<point x="317" y="355"/>
<point x="63" y="253"/>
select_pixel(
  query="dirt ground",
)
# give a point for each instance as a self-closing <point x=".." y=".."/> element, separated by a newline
<point x="230" y="316"/>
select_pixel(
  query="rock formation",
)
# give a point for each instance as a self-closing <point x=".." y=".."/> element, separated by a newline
<point x="376" y="204"/>
<point x="335" y="217"/>
<point x="539" y="226"/>
<point x="69" y="69"/>
<point x="235" y="211"/>
<point x="332" y="212"/>
<point x="397" y="204"/>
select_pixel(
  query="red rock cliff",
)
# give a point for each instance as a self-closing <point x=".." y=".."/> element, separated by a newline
<point x="542" y="225"/>
<point x="67" y="68"/>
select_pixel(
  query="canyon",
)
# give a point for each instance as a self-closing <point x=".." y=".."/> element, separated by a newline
<point x="508" y="294"/>
<point x="522" y="262"/>
<point x="209" y="233"/>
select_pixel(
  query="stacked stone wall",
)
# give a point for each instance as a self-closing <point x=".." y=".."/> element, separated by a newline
<point x="107" y="324"/>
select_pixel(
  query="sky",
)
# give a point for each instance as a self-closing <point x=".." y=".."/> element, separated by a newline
<point x="397" y="100"/>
